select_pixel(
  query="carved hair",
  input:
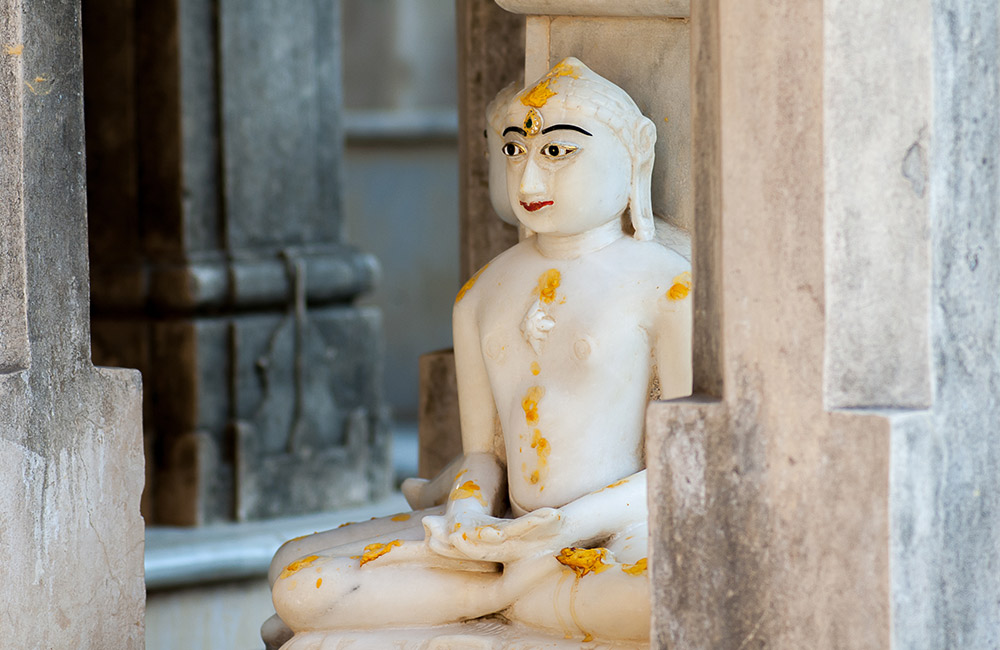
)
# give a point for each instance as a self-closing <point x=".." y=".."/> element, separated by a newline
<point x="574" y="87"/>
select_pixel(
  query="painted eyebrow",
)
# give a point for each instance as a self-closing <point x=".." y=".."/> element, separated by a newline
<point x="515" y="129"/>
<point x="567" y="127"/>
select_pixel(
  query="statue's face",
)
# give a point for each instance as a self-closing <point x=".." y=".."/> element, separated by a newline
<point x="566" y="173"/>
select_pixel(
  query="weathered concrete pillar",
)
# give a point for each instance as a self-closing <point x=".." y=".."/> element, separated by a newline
<point x="70" y="433"/>
<point x="221" y="271"/>
<point x="835" y="484"/>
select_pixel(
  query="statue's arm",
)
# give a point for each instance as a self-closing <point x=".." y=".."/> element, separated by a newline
<point x="597" y="515"/>
<point x="585" y="522"/>
<point x="478" y="488"/>
<point x="673" y="347"/>
<point x="477" y="410"/>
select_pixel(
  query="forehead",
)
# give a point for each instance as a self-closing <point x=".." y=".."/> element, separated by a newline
<point x="551" y="114"/>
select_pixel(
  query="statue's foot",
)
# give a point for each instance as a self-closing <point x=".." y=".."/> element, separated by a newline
<point x="275" y="633"/>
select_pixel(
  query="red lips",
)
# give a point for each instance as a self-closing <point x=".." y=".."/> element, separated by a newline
<point x="535" y="205"/>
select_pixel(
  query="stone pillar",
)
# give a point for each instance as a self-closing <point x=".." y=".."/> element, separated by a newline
<point x="835" y="482"/>
<point x="222" y="271"/>
<point x="70" y="433"/>
<point x="490" y="52"/>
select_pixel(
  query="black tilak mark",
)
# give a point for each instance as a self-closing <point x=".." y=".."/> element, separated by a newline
<point x="517" y="129"/>
<point x="566" y="127"/>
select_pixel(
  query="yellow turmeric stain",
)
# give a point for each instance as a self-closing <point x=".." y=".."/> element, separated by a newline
<point x="468" y="285"/>
<point x="457" y="526"/>
<point x="297" y="565"/>
<point x="583" y="560"/>
<point x="681" y="287"/>
<point x="535" y="477"/>
<point x="636" y="569"/>
<point x="346" y="523"/>
<point x="461" y="474"/>
<point x="535" y="368"/>
<point x="548" y="282"/>
<point x="615" y="484"/>
<point x="530" y="404"/>
<point x="466" y="490"/>
<point x="541" y="93"/>
<point x="401" y="517"/>
<point x="375" y="551"/>
<point x="319" y="581"/>
<point x="295" y="539"/>
<point x="14" y="50"/>
<point x="40" y="85"/>
<point x="541" y="447"/>
<point x="588" y="638"/>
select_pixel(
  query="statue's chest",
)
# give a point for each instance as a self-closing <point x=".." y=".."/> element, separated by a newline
<point x="589" y="322"/>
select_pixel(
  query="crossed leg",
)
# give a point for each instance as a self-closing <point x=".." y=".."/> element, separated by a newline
<point x="403" y="583"/>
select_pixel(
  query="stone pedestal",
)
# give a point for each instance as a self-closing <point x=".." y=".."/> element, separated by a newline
<point x="439" y="428"/>
<point x="220" y="268"/>
<point x="70" y="433"/>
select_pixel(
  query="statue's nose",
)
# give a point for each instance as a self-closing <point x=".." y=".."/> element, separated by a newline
<point x="532" y="179"/>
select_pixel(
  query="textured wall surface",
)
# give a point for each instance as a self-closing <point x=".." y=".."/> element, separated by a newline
<point x="770" y="514"/>
<point x="70" y="433"/>
<point x="946" y="462"/>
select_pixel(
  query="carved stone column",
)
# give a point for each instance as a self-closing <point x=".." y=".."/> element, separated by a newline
<point x="70" y="433"/>
<point x="227" y="279"/>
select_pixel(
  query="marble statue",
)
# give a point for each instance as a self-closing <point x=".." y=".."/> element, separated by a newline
<point x="560" y="342"/>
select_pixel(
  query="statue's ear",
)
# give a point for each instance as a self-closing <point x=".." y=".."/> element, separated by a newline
<point x="640" y="197"/>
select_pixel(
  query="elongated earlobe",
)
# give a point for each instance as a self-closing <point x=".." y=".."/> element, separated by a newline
<point x="640" y="195"/>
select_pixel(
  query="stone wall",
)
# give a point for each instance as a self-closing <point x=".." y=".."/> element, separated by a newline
<point x="70" y="433"/>
<point x="834" y="482"/>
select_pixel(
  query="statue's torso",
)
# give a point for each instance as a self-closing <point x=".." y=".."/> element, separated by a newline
<point x="572" y="412"/>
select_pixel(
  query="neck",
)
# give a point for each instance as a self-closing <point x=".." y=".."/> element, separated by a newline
<point x="570" y="246"/>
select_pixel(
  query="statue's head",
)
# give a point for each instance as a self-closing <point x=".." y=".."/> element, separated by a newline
<point x="569" y="153"/>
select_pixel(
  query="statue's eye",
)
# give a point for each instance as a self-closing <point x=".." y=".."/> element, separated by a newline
<point x="555" y="150"/>
<point x="512" y="149"/>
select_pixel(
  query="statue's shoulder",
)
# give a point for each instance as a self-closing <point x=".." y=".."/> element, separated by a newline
<point x="653" y="257"/>
<point x="472" y="291"/>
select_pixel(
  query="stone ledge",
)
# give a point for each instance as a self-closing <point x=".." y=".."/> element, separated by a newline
<point x="633" y="8"/>
<point x="178" y="556"/>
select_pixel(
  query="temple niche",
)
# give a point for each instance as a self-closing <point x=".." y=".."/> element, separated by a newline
<point x="558" y="341"/>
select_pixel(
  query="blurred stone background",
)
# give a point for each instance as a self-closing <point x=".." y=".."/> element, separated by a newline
<point x="401" y="174"/>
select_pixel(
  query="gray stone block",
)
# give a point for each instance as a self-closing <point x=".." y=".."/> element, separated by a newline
<point x="70" y="433"/>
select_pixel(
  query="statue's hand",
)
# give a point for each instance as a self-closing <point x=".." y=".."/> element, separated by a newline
<point x="508" y="540"/>
<point x="441" y="531"/>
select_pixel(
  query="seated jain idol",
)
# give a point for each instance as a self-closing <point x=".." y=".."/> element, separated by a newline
<point x="560" y="342"/>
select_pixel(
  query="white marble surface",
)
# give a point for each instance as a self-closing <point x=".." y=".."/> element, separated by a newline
<point x="187" y="556"/>
<point x="475" y="635"/>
